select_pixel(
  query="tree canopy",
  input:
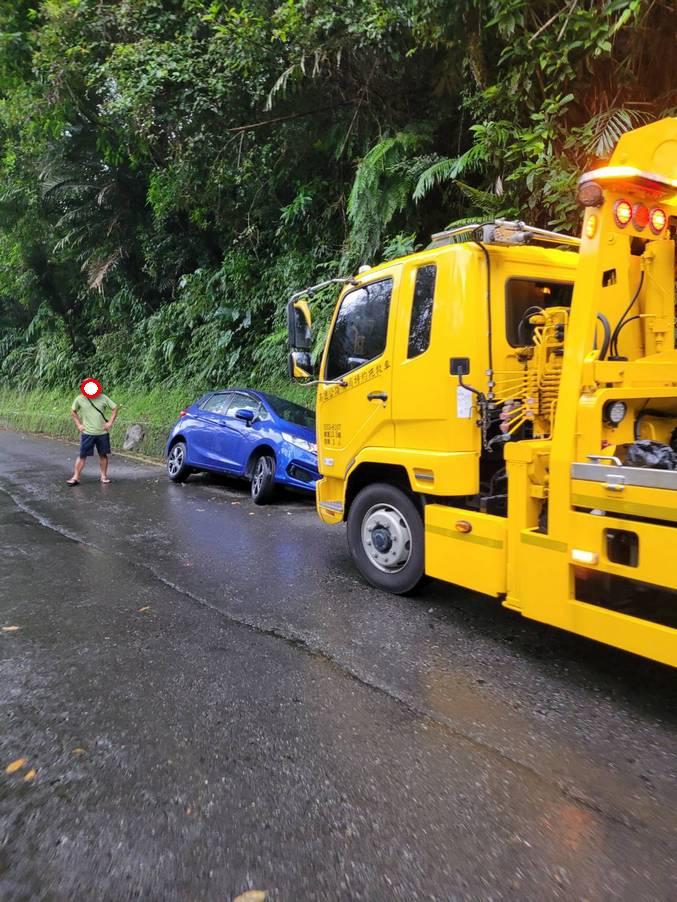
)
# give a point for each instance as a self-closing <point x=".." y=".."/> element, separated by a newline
<point x="170" y="170"/>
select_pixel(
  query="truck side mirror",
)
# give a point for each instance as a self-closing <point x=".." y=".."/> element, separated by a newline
<point x="299" y="325"/>
<point x="300" y="365"/>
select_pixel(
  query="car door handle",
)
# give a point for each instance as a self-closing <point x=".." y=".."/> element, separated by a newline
<point x="377" y="396"/>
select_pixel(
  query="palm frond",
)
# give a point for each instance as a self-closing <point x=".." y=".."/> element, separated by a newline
<point x="448" y="168"/>
<point x="607" y="127"/>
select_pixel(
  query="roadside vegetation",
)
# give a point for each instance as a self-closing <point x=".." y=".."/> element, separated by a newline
<point x="170" y="170"/>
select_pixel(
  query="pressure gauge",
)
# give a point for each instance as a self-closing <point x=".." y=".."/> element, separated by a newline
<point x="614" y="411"/>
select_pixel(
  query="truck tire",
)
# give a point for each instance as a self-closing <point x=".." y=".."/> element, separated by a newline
<point x="386" y="538"/>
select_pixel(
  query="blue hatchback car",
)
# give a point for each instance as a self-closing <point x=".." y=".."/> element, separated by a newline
<point x="265" y="439"/>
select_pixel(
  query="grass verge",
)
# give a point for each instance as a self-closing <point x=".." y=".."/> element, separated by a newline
<point x="156" y="410"/>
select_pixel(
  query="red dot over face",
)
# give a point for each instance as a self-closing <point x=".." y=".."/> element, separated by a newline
<point x="90" y="388"/>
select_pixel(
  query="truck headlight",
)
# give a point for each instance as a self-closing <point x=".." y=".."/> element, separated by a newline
<point x="300" y="442"/>
<point x="614" y="411"/>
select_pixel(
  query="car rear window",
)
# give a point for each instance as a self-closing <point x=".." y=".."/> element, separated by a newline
<point x="218" y="402"/>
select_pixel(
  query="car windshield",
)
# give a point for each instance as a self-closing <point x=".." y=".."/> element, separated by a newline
<point x="292" y="413"/>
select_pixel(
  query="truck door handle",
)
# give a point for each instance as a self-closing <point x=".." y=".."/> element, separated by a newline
<point x="377" y="396"/>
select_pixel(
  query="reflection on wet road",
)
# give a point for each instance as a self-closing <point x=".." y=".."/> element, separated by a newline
<point x="213" y="702"/>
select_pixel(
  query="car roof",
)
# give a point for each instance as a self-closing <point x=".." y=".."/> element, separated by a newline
<point x="260" y="395"/>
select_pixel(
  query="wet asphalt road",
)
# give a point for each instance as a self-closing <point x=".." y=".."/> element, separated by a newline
<point x="213" y="702"/>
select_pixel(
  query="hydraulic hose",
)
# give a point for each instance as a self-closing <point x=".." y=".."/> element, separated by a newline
<point x="490" y="393"/>
<point x="607" y="335"/>
<point x="621" y="321"/>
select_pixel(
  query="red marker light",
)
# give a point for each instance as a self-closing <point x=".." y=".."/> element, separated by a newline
<point x="640" y="218"/>
<point x="622" y="213"/>
<point x="184" y="413"/>
<point x="658" y="220"/>
<point x="90" y="388"/>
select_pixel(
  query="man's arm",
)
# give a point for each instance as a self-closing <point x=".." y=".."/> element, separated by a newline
<point x="109" y="424"/>
<point x="77" y="421"/>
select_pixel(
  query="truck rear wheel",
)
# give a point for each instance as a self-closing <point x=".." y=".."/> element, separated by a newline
<point x="386" y="539"/>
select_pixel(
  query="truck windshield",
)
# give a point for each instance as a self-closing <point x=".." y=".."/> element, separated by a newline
<point x="292" y="413"/>
<point x="361" y="328"/>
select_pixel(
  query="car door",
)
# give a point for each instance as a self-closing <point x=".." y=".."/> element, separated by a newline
<point x="201" y="439"/>
<point x="234" y="437"/>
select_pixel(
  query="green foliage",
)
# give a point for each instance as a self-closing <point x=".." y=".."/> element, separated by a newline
<point x="171" y="170"/>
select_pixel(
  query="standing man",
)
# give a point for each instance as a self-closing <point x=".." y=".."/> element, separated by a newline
<point x="94" y="414"/>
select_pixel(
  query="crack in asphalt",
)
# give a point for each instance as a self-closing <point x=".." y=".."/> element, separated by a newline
<point x="304" y="643"/>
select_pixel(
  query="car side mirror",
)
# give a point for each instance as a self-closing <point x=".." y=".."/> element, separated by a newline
<point x="246" y="415"/>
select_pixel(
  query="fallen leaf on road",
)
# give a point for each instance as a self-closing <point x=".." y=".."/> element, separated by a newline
<point x="78" y="751"/>
<point x="31" y="774"/>
<point x="15" y="765"/>
<point x="252" y="895"/>
<point x="251" y="513"/>
<point x="146" y="608"/>
<point x="10" y="629"/>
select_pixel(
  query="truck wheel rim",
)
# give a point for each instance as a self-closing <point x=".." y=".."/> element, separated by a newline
<point x="386" y="538"/>
<point x="175" y="461"/>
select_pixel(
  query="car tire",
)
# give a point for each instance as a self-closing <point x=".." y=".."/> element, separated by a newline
<point x="177" y="469"/>
<point x="263" y="480"/>
<point x="386" y="538"/>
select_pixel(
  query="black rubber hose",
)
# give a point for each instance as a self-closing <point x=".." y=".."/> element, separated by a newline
<point x="624" y="324"/>
<point x="489" y="324"/>
<point x="607" y="335"/>
<point x="521" y="337"/>
<point x="621" y="321"/>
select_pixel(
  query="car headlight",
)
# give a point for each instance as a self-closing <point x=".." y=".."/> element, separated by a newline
<point x="300" y="442"/>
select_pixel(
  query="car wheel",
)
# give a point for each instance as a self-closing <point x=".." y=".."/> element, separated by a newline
<point x="386" y="538"/>
<point x="263" y="480"/>
<point x="177" y="470"/>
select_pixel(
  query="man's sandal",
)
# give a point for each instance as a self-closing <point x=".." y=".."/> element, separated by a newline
<point x="73" y="482"/>
<point x="104" y="481"/>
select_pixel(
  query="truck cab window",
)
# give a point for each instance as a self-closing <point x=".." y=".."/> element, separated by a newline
<point x="422" y="310"/>
<point x="526" y="296"/>
<point x="360" y="330"/>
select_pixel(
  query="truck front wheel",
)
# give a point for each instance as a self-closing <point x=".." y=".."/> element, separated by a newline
<point x="385" y="538"/>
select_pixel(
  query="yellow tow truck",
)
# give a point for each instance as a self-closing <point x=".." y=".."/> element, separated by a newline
<point x="500" y="410"/>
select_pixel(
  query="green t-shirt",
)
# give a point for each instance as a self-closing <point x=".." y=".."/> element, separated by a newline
<point x="91" y="419"/>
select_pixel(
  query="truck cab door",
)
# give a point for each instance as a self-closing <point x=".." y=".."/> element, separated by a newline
<point x="354" y="414"/>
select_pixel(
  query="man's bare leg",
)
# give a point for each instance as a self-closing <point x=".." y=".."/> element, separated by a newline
<point x="103" y="466"/>
<point x="79" y="467"/>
